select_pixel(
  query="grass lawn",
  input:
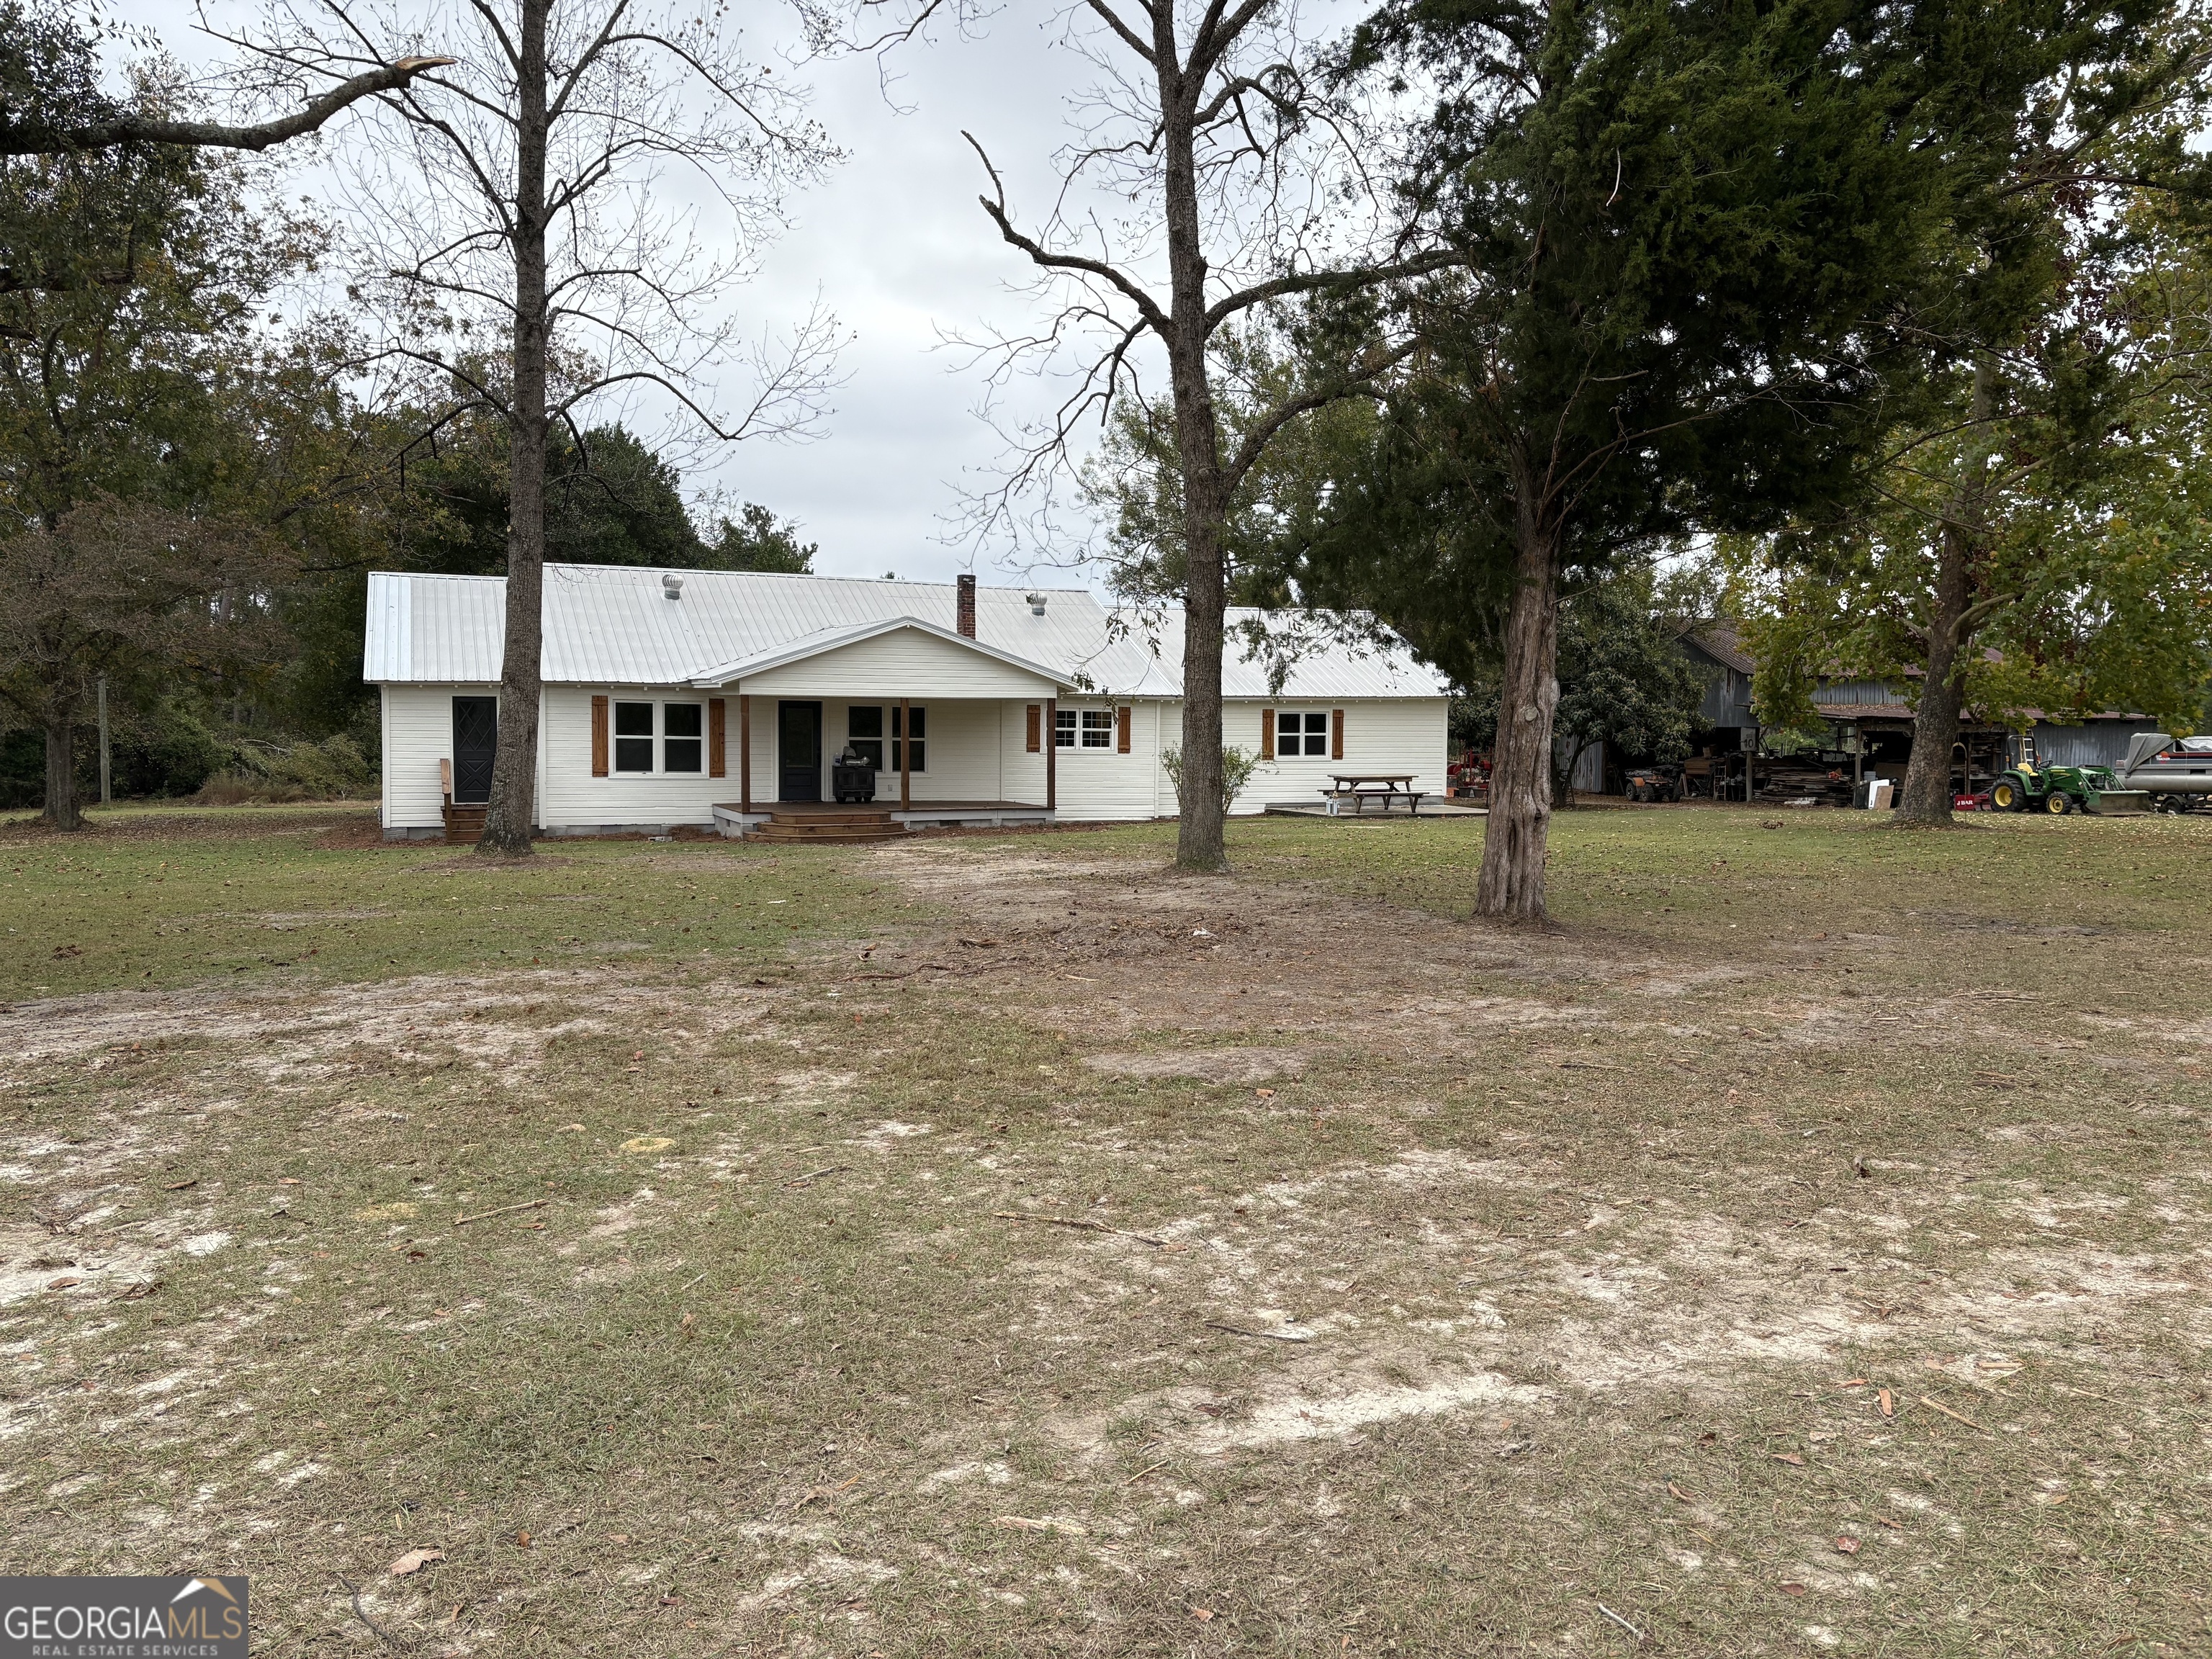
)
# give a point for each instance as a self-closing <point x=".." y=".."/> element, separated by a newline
<point x="1005" y="1246"/>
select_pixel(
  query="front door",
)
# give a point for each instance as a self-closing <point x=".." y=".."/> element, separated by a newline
<point x="798" y="750"/>
<point x="476" y="744"/>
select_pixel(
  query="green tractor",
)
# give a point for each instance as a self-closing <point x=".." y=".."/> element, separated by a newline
<point x="2057" y="790"/>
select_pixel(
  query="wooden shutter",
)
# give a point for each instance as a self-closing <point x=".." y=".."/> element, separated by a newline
<point x="1036" y="727"/>
<point x="1336" y="734"/>
<point x="598" y="736"/>
<point x="717" y="725"/>
<point x="1121" y="729"/>
<point x="1268" y="734"/>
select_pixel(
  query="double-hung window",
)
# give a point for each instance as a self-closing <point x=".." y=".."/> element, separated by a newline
<point x="864" y="734"/>
<point x="683" y="737"/>
<point x="1082" y="728"/>
<point x="679" y="733"/>
<point x="872" y="733"/>
<point x="1301" y="734"/>
<point x="633" y="737"/>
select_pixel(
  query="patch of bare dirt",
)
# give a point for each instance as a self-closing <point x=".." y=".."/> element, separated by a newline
<point x="486" y="1019"/>
<point x="1211" y="1065"/>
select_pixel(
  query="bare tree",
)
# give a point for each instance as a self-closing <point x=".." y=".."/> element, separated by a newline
<point x="522" y="234"/>
<point x="1245" y="187"/>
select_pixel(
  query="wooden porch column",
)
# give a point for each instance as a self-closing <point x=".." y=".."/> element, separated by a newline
<point x="1051" y="754"/>
<point x="906" y="758"/>
<point x="745" y="755"/>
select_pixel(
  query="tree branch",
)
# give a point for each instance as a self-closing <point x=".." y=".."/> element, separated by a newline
<point x="1312" y="281"/>
<point x="1154" y="317"/>
<point x="42" y="140"/>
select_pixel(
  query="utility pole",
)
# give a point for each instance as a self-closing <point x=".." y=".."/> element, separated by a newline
<point x="103" y="740"/>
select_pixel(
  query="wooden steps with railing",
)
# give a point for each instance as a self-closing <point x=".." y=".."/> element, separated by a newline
<point x="464" y="824"/>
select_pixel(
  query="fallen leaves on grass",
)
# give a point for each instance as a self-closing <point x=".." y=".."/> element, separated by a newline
<point x="1790" y="1458"/>
<point x="415" y="1561"/>
<point x="1847" y="1544"/>
<point x="1888" y="1401"/>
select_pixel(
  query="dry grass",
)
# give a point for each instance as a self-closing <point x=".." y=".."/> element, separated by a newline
<point x="1831" y="1281"/>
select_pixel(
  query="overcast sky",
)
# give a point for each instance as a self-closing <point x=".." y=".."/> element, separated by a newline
<point x="897" y="247"/>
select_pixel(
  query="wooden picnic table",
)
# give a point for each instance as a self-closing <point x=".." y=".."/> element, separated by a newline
<point x="1360" y="787"/>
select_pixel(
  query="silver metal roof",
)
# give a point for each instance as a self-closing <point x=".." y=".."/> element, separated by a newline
<point x="613" y="625"/>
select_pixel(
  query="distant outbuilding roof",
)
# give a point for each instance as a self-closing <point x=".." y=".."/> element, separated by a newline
<point x="615" y="625"/>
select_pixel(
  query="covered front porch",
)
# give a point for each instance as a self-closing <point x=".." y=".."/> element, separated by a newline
<point x="899" y="726"/>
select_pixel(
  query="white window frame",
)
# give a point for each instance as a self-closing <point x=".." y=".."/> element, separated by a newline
<point x="1072" y="727"/>
<point x="891" y="744"/>
<point x="657" y="739"/>
<point x="1309" y="733"/>
<point x="661" y="753"/>
<point x="650" y="737"/>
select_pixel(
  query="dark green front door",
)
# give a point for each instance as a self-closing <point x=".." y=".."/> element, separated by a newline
<point x="798" y="750"/>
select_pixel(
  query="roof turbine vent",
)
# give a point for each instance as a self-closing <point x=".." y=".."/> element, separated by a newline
<point x="671" y="588"/>
<point x="1037" y="604"/>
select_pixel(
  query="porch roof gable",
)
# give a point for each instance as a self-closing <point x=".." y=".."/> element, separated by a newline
<point x="824" y="641"/>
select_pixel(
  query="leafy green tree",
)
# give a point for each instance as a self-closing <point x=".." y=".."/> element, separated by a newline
<point x="140" y="403"/>
<point x="1134" y="481"/>
<point x="2038" y="536"/>
<point x="121" y="591"/>
<point x="757" y="540"/>
<point x="51" y="102"/>
<point x="1694" y="234"/>
<point x="1623" y="677"/>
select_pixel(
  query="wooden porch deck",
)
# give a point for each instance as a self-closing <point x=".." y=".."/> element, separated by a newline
<point x="731" y="820"/>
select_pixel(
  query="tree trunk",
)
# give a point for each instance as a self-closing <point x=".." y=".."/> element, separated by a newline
<point x="1511" y="886"/>
<point x="1927" y="798"/>
<point x="61" y="809"/>
<point x="512" y="812"/>
<point x="1198" y="444"/>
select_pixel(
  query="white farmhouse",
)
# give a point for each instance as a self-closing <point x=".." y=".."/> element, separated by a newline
<point x="836" y="708"/>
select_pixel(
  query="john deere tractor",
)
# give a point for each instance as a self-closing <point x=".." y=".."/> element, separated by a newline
<point x="2028" y="787"/>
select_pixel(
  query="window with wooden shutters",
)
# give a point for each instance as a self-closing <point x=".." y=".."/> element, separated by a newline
<point x="598" y="736"/>
<point x="683" y="737"/>
<point x="633" y="737"/>
<point x="1336" y="734"/>
<point x="1036" y="728"/>
<point x="1266" y="731"/>
<point x="717" y="729"/>
<point x="1121" y="741"/>
<point x="1300" y="734"/>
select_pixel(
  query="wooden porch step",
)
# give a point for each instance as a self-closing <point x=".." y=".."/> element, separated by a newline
<point x="464" y="824"/>
<point x="831" y="826"/>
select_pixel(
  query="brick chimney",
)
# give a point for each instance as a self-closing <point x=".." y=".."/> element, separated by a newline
<point x="967" y="612"/>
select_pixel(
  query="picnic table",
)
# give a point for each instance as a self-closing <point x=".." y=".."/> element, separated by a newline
<point x="1360" y="787"/>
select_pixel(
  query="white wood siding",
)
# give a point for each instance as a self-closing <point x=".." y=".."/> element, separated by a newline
<point x="1396" y="734"/>
<point x="907" y="663"/>
<point x="1103" y="783"/>
<point x="571" y="798"/>
<point x="977" y="750"/>
<point x="418" y="734"/>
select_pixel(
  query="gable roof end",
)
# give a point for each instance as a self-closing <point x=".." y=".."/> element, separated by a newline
<point x="823" y="640"/>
